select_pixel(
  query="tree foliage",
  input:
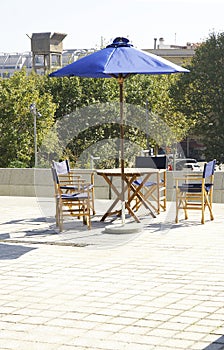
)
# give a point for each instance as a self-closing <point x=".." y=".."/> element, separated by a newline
<point x="17" y="121"/>
<point x="200" y="95"/>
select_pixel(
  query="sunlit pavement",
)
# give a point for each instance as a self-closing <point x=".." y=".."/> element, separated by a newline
<point x="162" y="288"/>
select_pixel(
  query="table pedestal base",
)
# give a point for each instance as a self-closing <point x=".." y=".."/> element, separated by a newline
<point x="131" y="227"/>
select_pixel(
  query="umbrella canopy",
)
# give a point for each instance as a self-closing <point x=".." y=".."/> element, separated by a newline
<point x="119" y="60"/>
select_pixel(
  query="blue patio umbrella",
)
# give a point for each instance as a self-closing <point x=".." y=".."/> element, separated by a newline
<point x="119" y="60"/>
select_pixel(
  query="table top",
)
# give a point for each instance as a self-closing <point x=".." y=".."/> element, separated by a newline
<point x="129" y="171"/>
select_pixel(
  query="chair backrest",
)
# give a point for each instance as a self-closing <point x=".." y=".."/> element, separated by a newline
<point x="209" y="168"/>
<point x="62" y="167"/>
<point x="55" y="181"/>
<point x="54" y="175"/>
<point x="156" y="162"/>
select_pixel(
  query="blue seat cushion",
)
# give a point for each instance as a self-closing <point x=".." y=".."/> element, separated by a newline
<point x="76" y="196"/>
<point x="147" y="184"/>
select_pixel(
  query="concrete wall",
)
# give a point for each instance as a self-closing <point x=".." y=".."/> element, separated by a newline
<point x="38" y="182"/>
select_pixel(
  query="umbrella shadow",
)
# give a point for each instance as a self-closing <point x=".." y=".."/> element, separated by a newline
<point x="26" y="227"/>
<point x="164" y="227"/>
<point x="4" y="236"/>
<point x="32" y="231"/>
<point x="13" y="251"/>
<point x="24" y="221"/>
<point x="43" y="230"/>
<point x="187" y="224"/>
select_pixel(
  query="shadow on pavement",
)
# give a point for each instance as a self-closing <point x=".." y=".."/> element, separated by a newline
<point x="25" y="221"/>
<point x="11" y="251"/>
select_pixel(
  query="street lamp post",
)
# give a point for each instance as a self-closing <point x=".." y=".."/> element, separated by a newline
<point x="92" y="161"/>
<point x="33" y="110"/>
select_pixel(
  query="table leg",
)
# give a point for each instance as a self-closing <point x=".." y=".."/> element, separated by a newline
<point x="109" y="211"/>
<point x="119" y="198"/>
<point x="137" y="193"/>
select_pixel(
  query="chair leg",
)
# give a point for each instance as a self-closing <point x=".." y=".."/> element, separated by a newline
<point x="185" y="212"/>
<point x="60" y="224"/>
<point x="56" y="216"/>
<point x="93" y="204"/>
<point x="178" y="203"/>
<point x="210" y="210"/>
<point x="177" y="207"/>
<point x="181" y="204"/>
<point x="203" y="204"/>
<point x="208" y="202"/>
<point x="93" y="195"/>
<point x="87" y="221"/>
<point x="184" y="203"/>
<point x="86" y="218"/>
<point x="59" y="216"/>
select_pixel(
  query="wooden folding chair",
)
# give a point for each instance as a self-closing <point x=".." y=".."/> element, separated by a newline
<point x="75" y="203"/>
<point x="154" y="191"/>
<point x="196" y="193"/>
<point x="64" y="171"/>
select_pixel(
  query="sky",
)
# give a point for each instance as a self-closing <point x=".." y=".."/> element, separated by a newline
<point x="88" y="23"/>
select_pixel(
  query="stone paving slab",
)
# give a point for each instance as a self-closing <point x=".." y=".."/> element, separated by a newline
<point x="160" y="289"/>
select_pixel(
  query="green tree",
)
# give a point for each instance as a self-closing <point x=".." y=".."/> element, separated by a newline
<point x="66" y="94"/>
<point x="16" y="120"/>
<point x="200" y="95"/>
<point x="153" y="92"/>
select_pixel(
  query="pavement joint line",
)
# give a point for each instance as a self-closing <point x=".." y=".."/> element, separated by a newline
<point x="19" y="241"/>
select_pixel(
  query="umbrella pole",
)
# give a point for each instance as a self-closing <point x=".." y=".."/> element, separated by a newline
<point x="121" y="81"/>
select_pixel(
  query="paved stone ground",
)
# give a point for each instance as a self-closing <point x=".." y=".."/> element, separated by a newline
<point x="160" y="289"/>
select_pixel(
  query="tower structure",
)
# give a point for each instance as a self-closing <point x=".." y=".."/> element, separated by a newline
<point x="47" y="51"/>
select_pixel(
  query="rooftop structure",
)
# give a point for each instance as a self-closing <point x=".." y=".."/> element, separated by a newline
<point x="178" y="56"/>
<point x="46" y="51"/>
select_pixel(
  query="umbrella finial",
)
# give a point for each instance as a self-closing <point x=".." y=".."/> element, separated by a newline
<point x="120" y="41"/>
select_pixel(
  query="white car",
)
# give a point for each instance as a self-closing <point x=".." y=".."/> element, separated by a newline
<point x="191" y="167"/>
<point x="180" y="163"/>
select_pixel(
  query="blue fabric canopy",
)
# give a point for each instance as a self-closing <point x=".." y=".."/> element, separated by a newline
<point x="119" y="58"/>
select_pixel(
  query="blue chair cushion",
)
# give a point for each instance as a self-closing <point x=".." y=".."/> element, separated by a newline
<point x="147" y="184"/>
<point x="75" y="196"/>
